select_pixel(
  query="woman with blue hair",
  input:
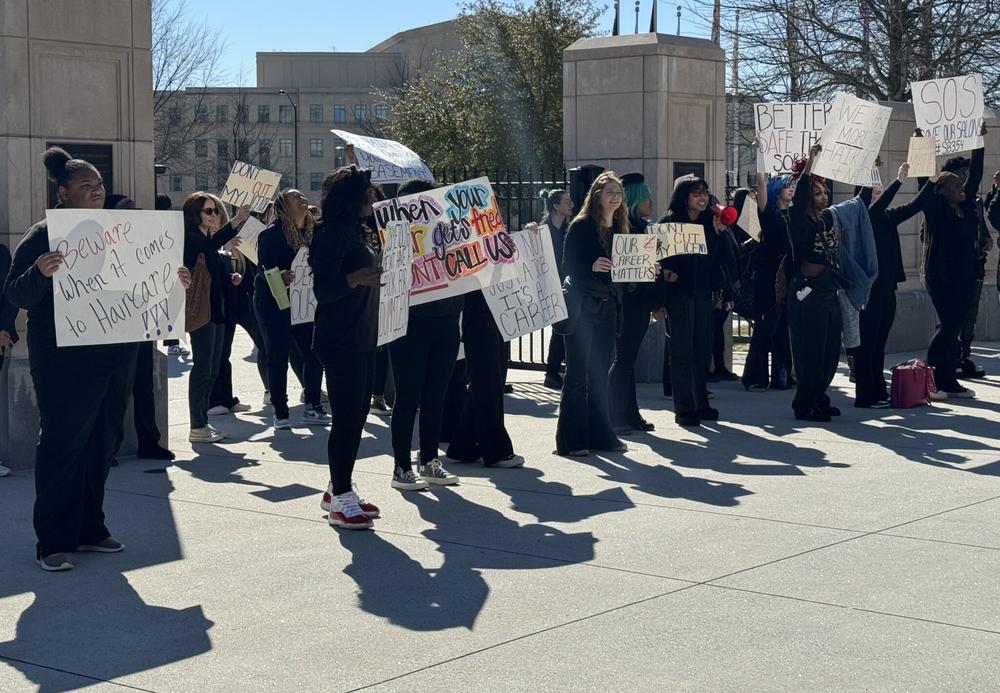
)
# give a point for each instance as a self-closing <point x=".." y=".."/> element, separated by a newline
<point x="770" y="334"/>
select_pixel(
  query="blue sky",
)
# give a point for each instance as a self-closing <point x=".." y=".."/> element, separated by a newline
<point x="353" y="25"/>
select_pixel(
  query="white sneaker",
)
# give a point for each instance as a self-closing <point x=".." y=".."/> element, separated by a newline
<point x="434" y="473"/>
<point x="206" y="434"/>
<point x="316" y="416"/>
<point x="239" y="407"/>
<point x="218" y="410"/>
<point x="370" y="509"/>
<point x="4" y="471"/>
<point x="508" y="462"/>
<point x="281" y="424"/>
<point x="407" y="481"/>
<point x="346" y="512"/>
<point x="380" y="407"/>
<point x="178" y="350"/>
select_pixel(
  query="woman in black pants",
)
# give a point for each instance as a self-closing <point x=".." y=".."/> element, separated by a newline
<point x="422" y="361"/>
<point x="638" y="301"/>
<point x="277" y="246"/>
<point x="206" y="230"/>
<point x="558" y="208"/>
<point x="8" y="317"/>
<point x="82" y="391"/>
<point x="584" y="423"/>
<point x="870" y="389"/>
<point x="346" y="279"/>
<point x="689" y="301"/>
<point x="814" y="317"/>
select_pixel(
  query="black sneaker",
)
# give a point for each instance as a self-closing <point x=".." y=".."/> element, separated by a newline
<point x="553" y="381"/>
<point x="725" y="374"/>
<point x="956" y="391"/>
<point x="708" y="414"/>
<point x="812" y="415"/>
<point x="507" y="389"/>
<point x="968" y="369"/>
<point x="689" y="420"/>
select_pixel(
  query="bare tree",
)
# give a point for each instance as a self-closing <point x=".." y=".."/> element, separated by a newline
<point x="186" y="56"/>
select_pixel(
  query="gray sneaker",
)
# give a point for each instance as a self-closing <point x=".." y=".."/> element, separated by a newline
<point x="55" y="562"/>
<point x="508" y="462"/>
<point x="407" y="481"/>
<point x="434" y="473"/>
<point x="109" y="545"/>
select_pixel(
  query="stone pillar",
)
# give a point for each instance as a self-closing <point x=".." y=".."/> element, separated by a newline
<point x="652" y="103"/>
<point x="78" y="74"/>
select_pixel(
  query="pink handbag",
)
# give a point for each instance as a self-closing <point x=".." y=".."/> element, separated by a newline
<point x="912" y="384"/>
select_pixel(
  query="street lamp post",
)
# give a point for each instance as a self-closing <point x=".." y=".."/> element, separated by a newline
<point x="295" y="125"/>
<point x="158" y="170"/>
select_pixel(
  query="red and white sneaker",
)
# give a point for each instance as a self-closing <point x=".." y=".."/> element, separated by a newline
<point x="370" y="509"/>
<point x="346" y="512"/>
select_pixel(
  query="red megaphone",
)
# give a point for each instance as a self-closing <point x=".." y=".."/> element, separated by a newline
<point x="727" y="215"/>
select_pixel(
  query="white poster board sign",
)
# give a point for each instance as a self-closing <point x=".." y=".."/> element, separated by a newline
<point x="252" y="186"/>
<point x="389" y="161"/>
<point x="248" y="235"/>
<point x="786" y="131"/>
<point x="678" y="239"/>
<point x="533" y="298"/>
<point x="119" y="282"/>
<point x="301" y="297"/>
<point x="749" y="219"/>
<point x="394" y="296"/>
<point x="950" y="110"/>
<point x="633" y="257"/>
<point x="921" y="157"/>
<point x="851" y="140"/>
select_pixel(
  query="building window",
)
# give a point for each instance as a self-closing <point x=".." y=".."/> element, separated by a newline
<point x="201" y="181"/>
<point x="340" y="113"/>
<point x="360" y="112"/>
<point x="174" y="115"/>
<point x="242" y="113"/>
<point x="243" y="150"/>
<point x="220" y="179"/>
<point x="316" y="147"/>
<point x="176" y="183"/>
<point x="222" y="151"/>
<point x="263" y="114"/>
<point x="285" y="113"/>
<point x="264" y="155"/>
<point x="201" y="113"/>
<point x="315" y="181"/>
<point x="201" y="148"/>
<point x="381" y="112"/>
<point x="316" y="113"/>
<point x="285" y="147"/>
<point x="222" y="113"/>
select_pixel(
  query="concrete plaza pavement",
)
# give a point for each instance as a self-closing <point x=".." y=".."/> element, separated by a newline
<point x="755" y="554"/>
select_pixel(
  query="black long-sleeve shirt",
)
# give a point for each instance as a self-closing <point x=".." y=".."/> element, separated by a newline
<point x="346" y="318"/>
<point x="885" y="223"/>
<point x="8" y="311"/>
<point x="953" y="237"/>
<point x="196" y="242"/>
<point x="773" y="247"/>
<point x="29" y="289"/>
<point x="581" y="249"/>
<point x="698" y="273"/>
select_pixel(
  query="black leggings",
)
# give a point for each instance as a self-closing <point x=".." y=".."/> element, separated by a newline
<point x="952" y="306"/>
<point x="349" y="384"/>
<point x="422" y="362"/>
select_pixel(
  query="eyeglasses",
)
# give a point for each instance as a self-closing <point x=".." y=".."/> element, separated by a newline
<point x="210" y="210"/>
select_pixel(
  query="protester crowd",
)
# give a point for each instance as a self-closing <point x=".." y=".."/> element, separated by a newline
<point x="813" y="270"/>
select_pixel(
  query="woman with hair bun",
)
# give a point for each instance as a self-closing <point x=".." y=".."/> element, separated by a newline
<point x="82" y="391"/>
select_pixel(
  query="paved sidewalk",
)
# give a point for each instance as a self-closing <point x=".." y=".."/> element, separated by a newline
<point x="752" y="555"/>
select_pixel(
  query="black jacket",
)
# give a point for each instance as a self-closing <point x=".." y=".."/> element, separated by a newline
<point x="29" y="289"/>
<point x="697" y="274"/>
<point x="772" y="249"/>
<point x="582" y="247"/>
<point x="8" y="311"/>
<point x="195" y="242"/>
<point x="558" y="234"/>
<point x="346" y="318"/>
<point x="885" y="223"/>
<point x="953" y="241"/>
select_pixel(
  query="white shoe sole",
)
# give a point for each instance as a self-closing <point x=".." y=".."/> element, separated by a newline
<point x="440" y="482"/>
<point x="59" y="569"/>
<point x="221" y="411"/>
<point x="315" y="422"/>
<point x="344" y="525"/>
<point x="402" y="486"/>
<point x="212" y="439"/>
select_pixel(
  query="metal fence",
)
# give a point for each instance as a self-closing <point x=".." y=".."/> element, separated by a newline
<point x="518" y="198"/>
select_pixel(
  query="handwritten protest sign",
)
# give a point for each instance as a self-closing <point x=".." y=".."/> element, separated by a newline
<point x="678" y="239"/>
<point x="921" y="157"/>
<point x="389" y="161"/>
<point x="851" y="140"/>
<point x="749" y="219"/>
<point x="460" y="243"/>
<point x="951" y="111"/>
<point x="786" y="131"/>
<point x="248" y="235"/>
<point x="251" y="186"/>
<point x="301" y="298"/>
<point x="394" y="297"/>
<point x="119" y="282"/>
<point x="633" y="257"/>
<point x="533" y="297"/>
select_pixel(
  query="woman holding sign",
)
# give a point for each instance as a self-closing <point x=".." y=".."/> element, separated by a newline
<point x="593" y="303"/>
<point x="82" y="392"/>
<point x="346" y="279"/>
<point x="277" y="246"/>
<point x="206" y="230"/>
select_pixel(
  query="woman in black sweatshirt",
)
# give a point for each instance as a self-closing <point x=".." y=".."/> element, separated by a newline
<point x="558" y="208"/>
<point x="277" y="246"/>
<point x="689" y="301"/>
<point x="346" y="278"/>
<point x="206" y="230"/>
<point x="595" y="306"/>
<point x="82" y="391"/>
